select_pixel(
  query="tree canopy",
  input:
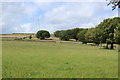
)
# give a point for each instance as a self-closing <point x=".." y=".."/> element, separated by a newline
<point x="108" y="31"/>
<point x="42" y="34"/>
<point x="115" y="3"/>
<point x="68" y="34"/>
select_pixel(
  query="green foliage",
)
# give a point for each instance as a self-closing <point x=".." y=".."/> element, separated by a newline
<point x="109" y="28"/>
<point x="117" y="34"/>
<point x="68" y="34"/>
<point x="75" y="33"/>
<point x="92" y="36"/>
<point x="64" y="36"/>
<point x="115" y="3"/>
<point x="104" y="30"/>
<point x="57" y="33"/>
<point x="108" y="41"/>
<point x="81" y="36"/>
<point x="108" y="31"/>
<point x="42" y="34"/>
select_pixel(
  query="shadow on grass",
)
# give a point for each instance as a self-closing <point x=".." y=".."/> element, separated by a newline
<point x="104" y="48"/>
<point x="47" y="39"/>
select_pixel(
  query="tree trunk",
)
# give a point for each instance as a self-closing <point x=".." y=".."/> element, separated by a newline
<point x="111" y="46"/>
<point x="100" y="44"/>
<point x="107" y="46"/>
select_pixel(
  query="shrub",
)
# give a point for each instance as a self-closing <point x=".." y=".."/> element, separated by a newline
<point x="30" y="37"/>
<point x="42" y="34"/>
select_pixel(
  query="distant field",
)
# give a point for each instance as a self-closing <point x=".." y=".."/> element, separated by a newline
<point x="57" y="60"/>
<point x="15" y="35"/>
<point x="19" y="35"/>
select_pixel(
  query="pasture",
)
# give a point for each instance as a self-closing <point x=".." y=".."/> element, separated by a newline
<point x="57" y="60"/>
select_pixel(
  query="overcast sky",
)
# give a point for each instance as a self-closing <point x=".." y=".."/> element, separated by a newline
<point x="29" y="17"/>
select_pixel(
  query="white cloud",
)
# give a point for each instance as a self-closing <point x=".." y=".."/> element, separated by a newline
<point x="52" y="16"/>
<point x="13" y="14"/>
<point x="69" y="13"/>
<point x="27" y="27"/>
<point x="53" y="0"/>
<point x="78" y="15"/>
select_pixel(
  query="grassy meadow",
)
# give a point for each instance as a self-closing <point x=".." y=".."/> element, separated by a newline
<point x="57" y="60"/>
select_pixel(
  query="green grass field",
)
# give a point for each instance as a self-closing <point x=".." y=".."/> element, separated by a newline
<point x="57" y="60"/>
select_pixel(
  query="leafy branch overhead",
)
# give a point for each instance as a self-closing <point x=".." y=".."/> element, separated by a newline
<point x="115" y="3"/>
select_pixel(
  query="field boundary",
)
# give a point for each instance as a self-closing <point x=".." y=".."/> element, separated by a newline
<point x="13" y="39"/>
<point x="42" y="41"/>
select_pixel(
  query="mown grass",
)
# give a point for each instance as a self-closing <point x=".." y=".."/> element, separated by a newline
<point x="57" y="60"/>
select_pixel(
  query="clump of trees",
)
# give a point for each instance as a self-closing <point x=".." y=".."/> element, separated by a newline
<point x="42" y="34"/>
<point x="108" y="31"/>
<point x="68" y="34"/>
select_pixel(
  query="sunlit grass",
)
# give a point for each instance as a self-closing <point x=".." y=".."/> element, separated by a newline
<point x="57" y="60"/>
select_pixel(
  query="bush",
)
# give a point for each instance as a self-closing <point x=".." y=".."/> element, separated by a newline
<point x="42" y="34"/>
<point x="30" y="37"/>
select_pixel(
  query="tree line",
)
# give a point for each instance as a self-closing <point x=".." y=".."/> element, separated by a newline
<point x="108" y="31"/>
